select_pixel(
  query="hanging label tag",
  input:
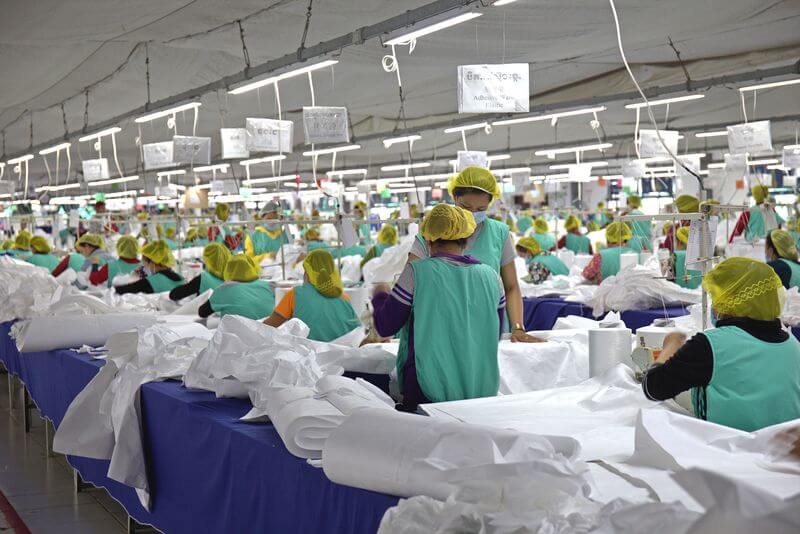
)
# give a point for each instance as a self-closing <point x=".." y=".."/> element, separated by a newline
<point x="347" y="232"/>
<point x="157" y="155"/>
<point x="471" y="158"/>
<point x="634" y="168"/>
<point x="269" y="135"/>
<point x="651" y="147"/>
<point x="752" y="138"/>
<point x="74" y="219"/>
<point x="791" y="156"/>
<point x="223" y="187"/>
<point x="705" y="231"/>
<point x="191" y="150"/>
<point x="95" y="169"/>
<point x="580" y="172"/>
<point x="493" y="88"/>
<point x="234" y="143"/>
<point x="324" y="124"/>
<point x="521" y="181"/>
<point x="169" y="191"/>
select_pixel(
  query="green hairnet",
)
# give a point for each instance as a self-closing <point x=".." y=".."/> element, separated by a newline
<point x="572" y="223"/>
<point x="784" y="244"/>
<point x="127" y="247"/>
<point x="23" y="240"/>
<point x="540" y="225"/>
<point x="760" y="193"/>
<point x="322" y="273"/>
<point x="40" y="245"/>
<point x="222" y="211"/>
<point x="617" y="232"/>
<point x="743" y="287"/>
<point x="94" y="240"/>
<point x="687" y="204"/>
<point x="530" y="244"/>
<point x="159" y="253"/>
<point x="387" y="235"/>
<point x="447" y="222"/>
<point x="682" y="234"/>
<point x="215" y="256"/>
<point x="241" y="268"/>
<point x="601" y="205"/>
<point x="635" y="201"/>
<point x="475" y="178"/>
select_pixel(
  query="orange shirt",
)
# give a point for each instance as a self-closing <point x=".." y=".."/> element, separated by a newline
<point x="285" y="307"/>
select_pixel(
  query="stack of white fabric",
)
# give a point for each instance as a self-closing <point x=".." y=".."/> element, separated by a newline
<point x="25" y="289"/>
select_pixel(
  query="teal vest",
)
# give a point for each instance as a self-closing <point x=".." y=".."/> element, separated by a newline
<point x="524" y="224"/>
<point x="76" y="261"/>
<point x="610" y="263"/>
<point x="488" y="248"/>
<point x="327" y="317"/>
<point x="552" y="263"/>
<point x="199" y="242"/>
<point x="117" y="267"/>
<point x="21" y="254"/>
<point x="794" y="281"/>
<point x="681" y="273"/>
<point x="579" y="244"/>
<point x="455" y="352"/>
<point x="637" y="243"/>
<point x="796" y="237"/>
<point x="209" y="281"/>
<point x="48" y="261"/>
<point x="640" y="228"/>
<point x="171" y="244"/>
<point x="161" y="283"/>
<point x="364" y="233"/>
<point x="254" y="300"/>
<point x="754" y="384"/>
<point x="546" y="241"/>
<point x="755" y="225"/>
<point x="263" y="243"/>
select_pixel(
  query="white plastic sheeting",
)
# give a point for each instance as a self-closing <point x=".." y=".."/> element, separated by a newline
<point x="61" y="332"/>
<point x="25" y="289"/>
<point x="388" y="266"/>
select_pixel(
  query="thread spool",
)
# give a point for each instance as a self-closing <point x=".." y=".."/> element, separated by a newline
<point x="607" y="348"/>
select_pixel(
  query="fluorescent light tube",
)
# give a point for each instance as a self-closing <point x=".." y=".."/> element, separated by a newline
<point x="569" y="150"/>
<point x="394" y="140"/>
<point x="769" y="161"/>
<point x="334" y="150"/>
<point x="101" y="133"/>
<point x="218" y="167"/>
<point x="267" y="159"/>
<point x="166" y="112"/>
<point x="499" y="3"/>
<point x="110" y="181"/>
<point x="664" y="101"/>
<point x="55" y="148"/>
<point x="268" y="180"/>
<point x="549" y="116"/>
<point x="404" y="167"/>
<point x="718" y="133"/>
<point x="561" y="166"/>
<point x="769" y="85"/>
<point x="404" y="39"/>
<point x="56" y="187"/>
<point x="21" y="159"/>
<point x="170" y="173"/>
<point x="458" y="129"/>
<point x="346" y="172"/>
<point x="278" y="77"/>
<point x="501" y="172"/>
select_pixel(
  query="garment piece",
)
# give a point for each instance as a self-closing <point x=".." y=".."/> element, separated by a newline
<point x="375" y="252"/>
<point x="327" y="317"/>
<point x="254" y="300"/>
<point x="696" y="277"/>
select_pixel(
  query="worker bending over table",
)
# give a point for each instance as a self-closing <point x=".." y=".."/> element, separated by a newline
<point x="607" y="261"/>
<point x="242" y="293"/>
<point x="745" y="371"/>
<point x="387" y="237"/>
<point x="215" y="257"/>
<point x="540" y="264"/>
<point x="127" y="262"/>
<point x="573" y="240"/>
<point x="156" y="271"/>
<point x="781" y="253"/>
<point x="755" y="222"/>
<point x="41" y="254"/>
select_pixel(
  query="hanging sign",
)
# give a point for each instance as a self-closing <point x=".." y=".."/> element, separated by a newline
<point x="634" y="168"/>
<point x="269" y="135"/>
<point x="735" y="166"/>
<point x="493" y="88"/>
<point x="157" y="155"/>
<point x="650" y="146"/>
<point x="521" y="181"/>
<point x="471" y="158"/>
<point x="224" y="187"/>
<point x="580" y="172"/>
<point x="95" y="169"/>
<point x="323" y="124"/>
<point x="234" y="143"/>
<point x="169" y="191"/>
<point x="191" y="150"/>
<point x="195" y="198"/>
<point x="752" y="138"/>
<point x="791" y="156"/>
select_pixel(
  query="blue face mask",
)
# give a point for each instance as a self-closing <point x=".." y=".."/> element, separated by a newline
<point x="479" y="216"/>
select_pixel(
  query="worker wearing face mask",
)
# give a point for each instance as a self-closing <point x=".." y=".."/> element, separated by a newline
<point x="156" y="272"/>
<point x="540" y="264"/>
<point x="475" y="189"/>
<point x="215" y="257"/>
<point x="41" y="254"/>
<point x="267" y="238"/>
<point x="573" y="240"/>
<point x="756" y="222"/>
<point x="242" y="293"/>
<point x="782" y="257"/>
<point x="745" y="371"/>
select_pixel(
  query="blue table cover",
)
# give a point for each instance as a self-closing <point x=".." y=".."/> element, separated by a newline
<point x="208" y="471"/>
<point x="541" y="313"/>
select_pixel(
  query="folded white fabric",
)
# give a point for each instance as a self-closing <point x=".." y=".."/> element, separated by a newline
<point x="25" y="289"/>
<point x="64" y="332"/>
<point x="562" y="361"/>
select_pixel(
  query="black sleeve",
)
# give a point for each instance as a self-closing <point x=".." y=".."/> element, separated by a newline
<point x="186" y="290"/>
<point x="692" y="366"/>
<point x="783" y="271"/>
<point x="142" y="286"/>
<point x="205" y="310"/>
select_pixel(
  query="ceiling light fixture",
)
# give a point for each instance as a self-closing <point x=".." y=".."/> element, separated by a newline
<point x="334" y="150"/>
<point x="466" y="127"/>
<point x="408" y="37"/>
<point x="110" y="181"/>
<point x="268" y="159"/>
<point x="347" y="172"/>
<point x="404" y="167"/>
<point x="568" y="150"/>
<point x="208" y="168"/>
<point x="166" y="112"/>
<point x="278" y="77"/>
<point x="406" y="138"/>
<point x="55" y="148"/>
<point x="718" y="133"/>
<point x="665" y="101"/>
<point x="769" y="85"/>
<point x="102" y="133"/>
<point x="549" y="116"/>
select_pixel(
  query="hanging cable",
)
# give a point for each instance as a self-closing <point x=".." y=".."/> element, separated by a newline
<point x="147" y="70"/>
<point x="114" y="151"/>
<point x="305" y="29"/>
<point x="245" y="52"/>
<point x="744" y="109"/>
<point x="86" y="113"/>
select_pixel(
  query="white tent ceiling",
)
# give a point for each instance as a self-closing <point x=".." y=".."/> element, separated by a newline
<point x="51" y="51"/>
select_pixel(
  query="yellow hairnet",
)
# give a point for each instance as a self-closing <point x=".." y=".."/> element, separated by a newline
<point x="635" y="201"/>
<point x="158" y="252"/>
<point x="23" y="240"/>
<point x="222" y="211"/>
<point x="781" y="239"/>
<point x="617" y="232"/>
<point x="592" y="226"/>
<point x="530" y="244"/>
<point x="215" y="257"/>
<point x="572" y="223"/>
<point x="709" y="202"/>
<point x="8" y="244"/>
<point x="540" y="225"/>
<point x="360" y="205"/>
<point x="141" y="215"/>
<point x="241" y="268"/>
<point x="387" y="235"/>
<point x="322" y="273"/>
<point x="170" y="232"/>
<point x="191" y="235"/>
<point x="312" y="234"/>
<point x="476" y="178"/>
<point x="94" y="240"/>
<point x="447" y="222"/>
<point x="687" y="204"/>
<point x="666" y="227"/>
<point x="760" y="193"/>
<point x="743" y="287"/>
<point x="601" y="205"/>
<point x="127" y="247"/>
<point x="682" y="234"/>
<point x="40" y="245"/>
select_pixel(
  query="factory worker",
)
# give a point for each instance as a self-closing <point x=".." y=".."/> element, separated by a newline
<point x="448" y="308"/>
<point x="573" y="240"/>
<point x="684" y="204"/>
<point x="169" y="238"/>
<point x="641" y="229"/>
<point x="606" y="263"/>
<point x="541" y="232"/>
<point x="781" y="254"/>
<point x="266" y="238"/>
<point x="215" y="257"/>
<point x="540" y="264"/>
<point x="197" y="236"/>
<point x="222" y="233"/>
<point x="320" y="302"/>
<point x="524" y="222"/>
<point x="91" y="248"/>
<point x="745" y="371"/>
<point x="6" y="247"/>
<point x="156" y="271"/>
<point x="758" y="220"/>
<point x="242" y="293"/>
<point x="601" y="217"/>
<point x="22" y="245"/>
<point x="363" y="229"/>
<point x="475" y="189"/>
<point x="387" y="237"/>
<point x="41" y="254"/>
<point x="127" y="262"/>
<point x="691" y="278"/>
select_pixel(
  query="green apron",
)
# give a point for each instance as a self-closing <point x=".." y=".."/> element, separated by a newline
<point x="754" y="384"/>
<point x="21" y="254"/>
<point x="199" y="242"/>
<point x="76" y="261"/>
<point x="610" y="264"/>
<point x="254" y="300"/>
<point x="328" y="318"/>
<point x="579" y="244"/>
<point x="208" y="281"/>
<point x="263" y="243"/>
<point x="680" y="272"/>
<point x="637" y="244"/>
<point x="160" y="283"/>
<point x="171" y="244"/>
<point x="48" y="261"/>
<point x="524" y="224"/>
<point x="640" y="228"/>
<point x="455" y="352"/>
<point x="364" y="233"/>
<point x="118" y="267"/>
<point x="546" y="241"/>
<point x="488" y="248"/>
<point x="553" y="264"/>
<point x="794" y="281"/>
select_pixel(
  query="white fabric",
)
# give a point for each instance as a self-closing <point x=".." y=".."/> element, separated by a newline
<point x="388" y="266"/>
<point x="62" y="332"/>
<point x="791" y="309"/>
<point x="25" y="289"/>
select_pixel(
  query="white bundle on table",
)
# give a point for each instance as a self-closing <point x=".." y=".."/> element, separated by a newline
<point x="562" y="361"/>
<point x="25" y="289"/>
<point x="388" y="266"/>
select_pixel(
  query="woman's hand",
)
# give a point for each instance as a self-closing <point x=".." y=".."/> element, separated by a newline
<point x="521" y="336"/>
